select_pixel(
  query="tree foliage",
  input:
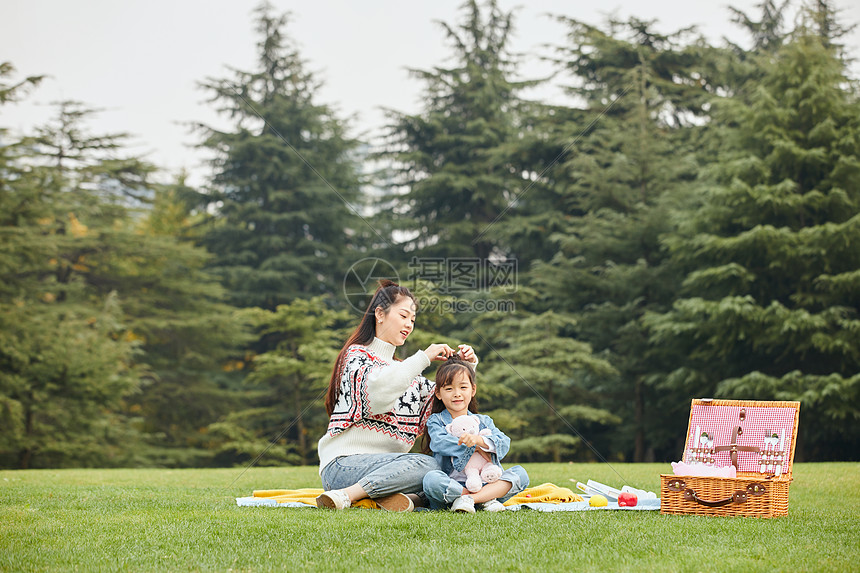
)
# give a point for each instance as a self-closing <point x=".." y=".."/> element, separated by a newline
<point x="284" y="179"/>
<point x="287" y="383"/>
<point x="769" y="305"/>
<point x="455" y="159"/>
<point x="685" y="225"/>
<point x="630" y="165"/>
<point x="66" y="354"/>
<point x="539" y="381"/>
<point x="109" y="320"/>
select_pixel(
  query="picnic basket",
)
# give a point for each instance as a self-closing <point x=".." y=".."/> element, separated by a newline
<point x="757" y="437"/>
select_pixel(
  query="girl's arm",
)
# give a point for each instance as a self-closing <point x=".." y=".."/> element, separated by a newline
<point x="501" y="442"/>
<point x="441" y="442"/>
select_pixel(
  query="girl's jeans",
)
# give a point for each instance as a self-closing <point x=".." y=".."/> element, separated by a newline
<point x="379" y="474"/>
<point x="441" y="490"/>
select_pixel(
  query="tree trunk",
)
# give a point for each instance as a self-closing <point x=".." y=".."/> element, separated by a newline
<point x="24" y="458"/>
<point x="26" y="454"/>
<point x="553" y="424"/>
<point x="638" y="416"/>
<point x="300" y="427"/>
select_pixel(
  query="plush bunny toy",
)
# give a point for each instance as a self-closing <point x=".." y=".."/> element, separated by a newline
<point x="478" y="470"/>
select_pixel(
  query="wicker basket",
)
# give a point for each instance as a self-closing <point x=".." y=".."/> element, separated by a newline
<point x="739" y="429"/>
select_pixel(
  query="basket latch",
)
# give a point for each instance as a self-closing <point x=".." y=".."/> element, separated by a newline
<point x="733" y="448"/>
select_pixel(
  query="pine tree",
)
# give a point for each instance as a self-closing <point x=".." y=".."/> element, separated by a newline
<point x="191" y="339"/>
<point x="768" y="32"/>
<point x="626" y="159"/>
<point x="771" y="295"/>
<point x="10" y="93"/>
<point x="66" y="359"/>
<point x="455" y="158"/>
<point x="287" y="383"/>
<point x="743" y="67"/>
<point x="536" y="380"/>
<point x="21" y="204"/>
<point x="823" y="19"/>
<point x="284" y="179"/>
<point x="110" y="328"/>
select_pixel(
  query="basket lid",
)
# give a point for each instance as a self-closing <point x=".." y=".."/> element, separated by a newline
<point x="747" y="431"/>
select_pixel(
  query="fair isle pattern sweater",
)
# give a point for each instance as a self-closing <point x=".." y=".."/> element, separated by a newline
<point x="382" y="405"/>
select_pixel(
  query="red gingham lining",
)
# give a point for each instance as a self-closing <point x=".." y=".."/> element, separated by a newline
<point x="719" y="421"/>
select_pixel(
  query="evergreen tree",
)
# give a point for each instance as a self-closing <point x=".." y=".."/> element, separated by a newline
<point x="771" y="295"/>
<point x="284" y="179"/>
<point x="537" y="380"/>
<point x="743" y="67"/>
<point x="455" y="159"/>
<point x="614" y="187"/>
<point x="20" y="206"/>
<point x="13" y="92"/>
<point x="111" y="329"/>
<point x="191" y="339"/>
<point x="768" y="32"/>
<point x="823" y="19"/>
<point x="286" y="384"/>
<point x="66" y="357"/>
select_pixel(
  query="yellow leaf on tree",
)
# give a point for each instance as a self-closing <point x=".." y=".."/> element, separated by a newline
<point x="131" y="336"/>
<point x="77" y="228"/>
<point x="233" y="365"/>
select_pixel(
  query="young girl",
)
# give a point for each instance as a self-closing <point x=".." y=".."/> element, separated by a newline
<point x="455" y="397"/>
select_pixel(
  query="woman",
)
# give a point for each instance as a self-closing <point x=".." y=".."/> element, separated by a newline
<point x="378" y="407"/>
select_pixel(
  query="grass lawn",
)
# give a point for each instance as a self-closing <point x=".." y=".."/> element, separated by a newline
<point x="179" y="520"/>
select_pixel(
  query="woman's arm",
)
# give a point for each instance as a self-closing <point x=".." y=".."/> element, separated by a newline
<point x="385" y="385"/>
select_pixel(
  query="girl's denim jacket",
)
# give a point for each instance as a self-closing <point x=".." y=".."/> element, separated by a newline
<point x="452" y="456"/>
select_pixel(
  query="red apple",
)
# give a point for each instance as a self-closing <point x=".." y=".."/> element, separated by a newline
<point x="627" y="499"/>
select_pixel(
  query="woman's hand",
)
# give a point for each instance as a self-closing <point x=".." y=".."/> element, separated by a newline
<point x="467" y="354"/>
<point x="470" y="440"/>
<point x="439" y="351"/>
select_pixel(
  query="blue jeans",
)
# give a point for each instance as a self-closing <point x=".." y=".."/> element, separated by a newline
<point x="379" y="474"/>
<point x="441" y="490"/>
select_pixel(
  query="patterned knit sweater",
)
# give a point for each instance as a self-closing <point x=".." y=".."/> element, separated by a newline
<point x="383" y="405"/>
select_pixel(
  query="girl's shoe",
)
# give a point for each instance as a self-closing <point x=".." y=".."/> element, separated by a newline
<point x="464" y="504"/>
<point x="334" y="499"/>
<point x="493" y="505"/>
<point x="399" y="502"/>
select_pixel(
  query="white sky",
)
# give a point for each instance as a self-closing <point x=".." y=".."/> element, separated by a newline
<point x="140" y="60"/>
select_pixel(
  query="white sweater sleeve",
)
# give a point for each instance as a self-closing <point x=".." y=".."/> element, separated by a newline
<point x="387" y="384"/>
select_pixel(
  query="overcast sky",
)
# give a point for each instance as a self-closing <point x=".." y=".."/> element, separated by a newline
<point x="140" y="61"/>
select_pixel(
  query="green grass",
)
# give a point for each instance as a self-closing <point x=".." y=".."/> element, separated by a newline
<point x="179" y="520"/>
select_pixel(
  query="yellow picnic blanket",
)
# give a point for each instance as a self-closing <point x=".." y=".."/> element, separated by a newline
<point x="546" y="493"/>
<point x="307" y="495"/>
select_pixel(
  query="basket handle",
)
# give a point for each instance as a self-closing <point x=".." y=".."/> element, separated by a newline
<point x="739" y="496"/>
